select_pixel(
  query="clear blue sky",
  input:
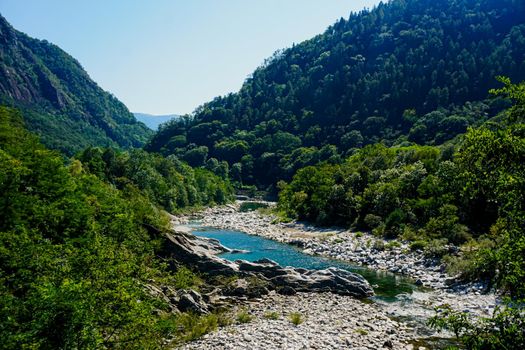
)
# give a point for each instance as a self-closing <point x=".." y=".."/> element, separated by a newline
<point x="170" y="56"/>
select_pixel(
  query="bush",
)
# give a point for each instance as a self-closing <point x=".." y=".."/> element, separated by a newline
<point x="271" y="315"/>
<point x="392" y="245"/>
<point x="474" y="261"/>
<point x="504" y="330"/>
<point x="378" y="245"/>
<point x="244" y="317"/>
<point x="372" y="221"/>
<point x="296" y="318"/>
<point x="418" y="245"/>
<point x="361" y="331"/>
<point x="436" y="248"/>
<point x="191" y="326"/>
<point x="186" y="279"/>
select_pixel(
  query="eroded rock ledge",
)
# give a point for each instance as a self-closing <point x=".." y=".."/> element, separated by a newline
<point x="201" y="253"/>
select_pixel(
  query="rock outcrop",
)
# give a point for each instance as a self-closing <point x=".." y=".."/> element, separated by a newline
<point x="201" y="253"/>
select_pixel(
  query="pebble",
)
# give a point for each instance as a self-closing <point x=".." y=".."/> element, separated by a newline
<point x="340" y="327"/>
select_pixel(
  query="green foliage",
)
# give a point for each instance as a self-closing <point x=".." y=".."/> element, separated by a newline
<point x="193" y="326"/>
<point x="244" y="317"/>
<point x="504" y="330"/>
<point x="296" y="318"/>
<point x="251" y="206"/>
<point x="167" y="182"/>
<point x="398" y="73"/>
<point x="418" y="245"/>
<point x="271" y="315"/>
<point x="59" y="101"/>
<point x="378" y="245"/>
<point x="76" y="252"/>
<point x="186" y="279"/>
<point x="73" y="253"/>
<point x="361" y="331"/>
<point x="436" y="248"/>
<point x="377" y="188"/>
<point x="425" y="194"/>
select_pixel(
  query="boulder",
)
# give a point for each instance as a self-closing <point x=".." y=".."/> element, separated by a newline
<point x="332" y="280"/>
<point x="265" y="267"/>
<point x="191" y="301"/>
<point x="198" y="252"/>
<point x="247" y="288"/>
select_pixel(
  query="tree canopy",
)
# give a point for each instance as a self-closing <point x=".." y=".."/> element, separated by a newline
<point x="408" y="71"/>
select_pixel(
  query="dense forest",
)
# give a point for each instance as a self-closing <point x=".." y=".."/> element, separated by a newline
<point x="78" y="246"/>
<point x="469" y="193"/>
<point x="409" y="71"/>
<point x="59" y="101"/>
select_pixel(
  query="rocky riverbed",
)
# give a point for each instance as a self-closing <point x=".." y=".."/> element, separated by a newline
<point x="334" y="321"/>
<point x="330" y="322"/>
<point x="360" y="248"/>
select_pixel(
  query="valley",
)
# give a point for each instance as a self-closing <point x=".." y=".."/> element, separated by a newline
<point x="363" y="188"/>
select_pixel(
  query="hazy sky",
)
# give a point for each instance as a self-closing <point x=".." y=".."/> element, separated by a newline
<point x="170" y="56"/>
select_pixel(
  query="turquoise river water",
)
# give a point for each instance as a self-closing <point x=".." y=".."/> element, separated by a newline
<point x="386" y="285"/>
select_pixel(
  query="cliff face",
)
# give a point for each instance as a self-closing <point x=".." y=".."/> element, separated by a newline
<point x="59" y="100"/>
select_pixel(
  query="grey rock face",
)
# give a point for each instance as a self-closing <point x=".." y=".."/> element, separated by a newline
<point x="200" y="253"/>
<point x="243" y="288"/>
<point x="191" y="301"/>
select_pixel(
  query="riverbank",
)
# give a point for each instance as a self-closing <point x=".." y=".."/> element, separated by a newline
<point x="360" y="248"/>
<point x="329" y="322"/>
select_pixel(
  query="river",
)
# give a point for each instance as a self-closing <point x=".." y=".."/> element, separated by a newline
<point x="387" y="286"/>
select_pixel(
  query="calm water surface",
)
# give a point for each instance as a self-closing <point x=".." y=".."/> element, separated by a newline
<point x="386" y="285"/>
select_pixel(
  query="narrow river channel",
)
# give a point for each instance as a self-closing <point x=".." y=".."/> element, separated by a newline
<point x="387" y="286"/>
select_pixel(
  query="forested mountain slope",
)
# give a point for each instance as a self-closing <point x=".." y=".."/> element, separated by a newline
<point x="79" y="242"/>
<point x="60" y="102"/>
<point x="407" y="71"/>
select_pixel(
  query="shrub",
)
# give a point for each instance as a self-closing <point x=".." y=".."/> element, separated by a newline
<point x="361" y="331"/>
<point x="474" y="261"/>
<point x="372" y="221"/>
<point x="296" y="318"/>
<point x="271" y="315"/>
<point x="436" y="248"/>
<point x="504" y="330"/>
<point x="251" y="206"/>
<point x="392" y="244"/>
<point x="394" y="223"/>
<point x="418" y="245"/>
<point x="244" y="317"/>
<point x="379" y="245"/>
<point x="186" y="279"/>
<point x="192" y="326"/>
<point x="409" y="233"/>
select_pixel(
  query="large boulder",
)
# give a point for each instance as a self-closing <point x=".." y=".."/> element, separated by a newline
<point x="191" y="301"/>
<point x="198" y="252"/>
<point x="302" y="280"/>
<point x="247" y="287"/>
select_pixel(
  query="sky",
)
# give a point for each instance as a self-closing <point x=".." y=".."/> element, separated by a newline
<point x="170" y="56"/>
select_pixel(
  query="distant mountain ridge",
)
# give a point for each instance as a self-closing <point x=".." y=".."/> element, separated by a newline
<point x="153" y="121"/>
<point x="58" y="99"/>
